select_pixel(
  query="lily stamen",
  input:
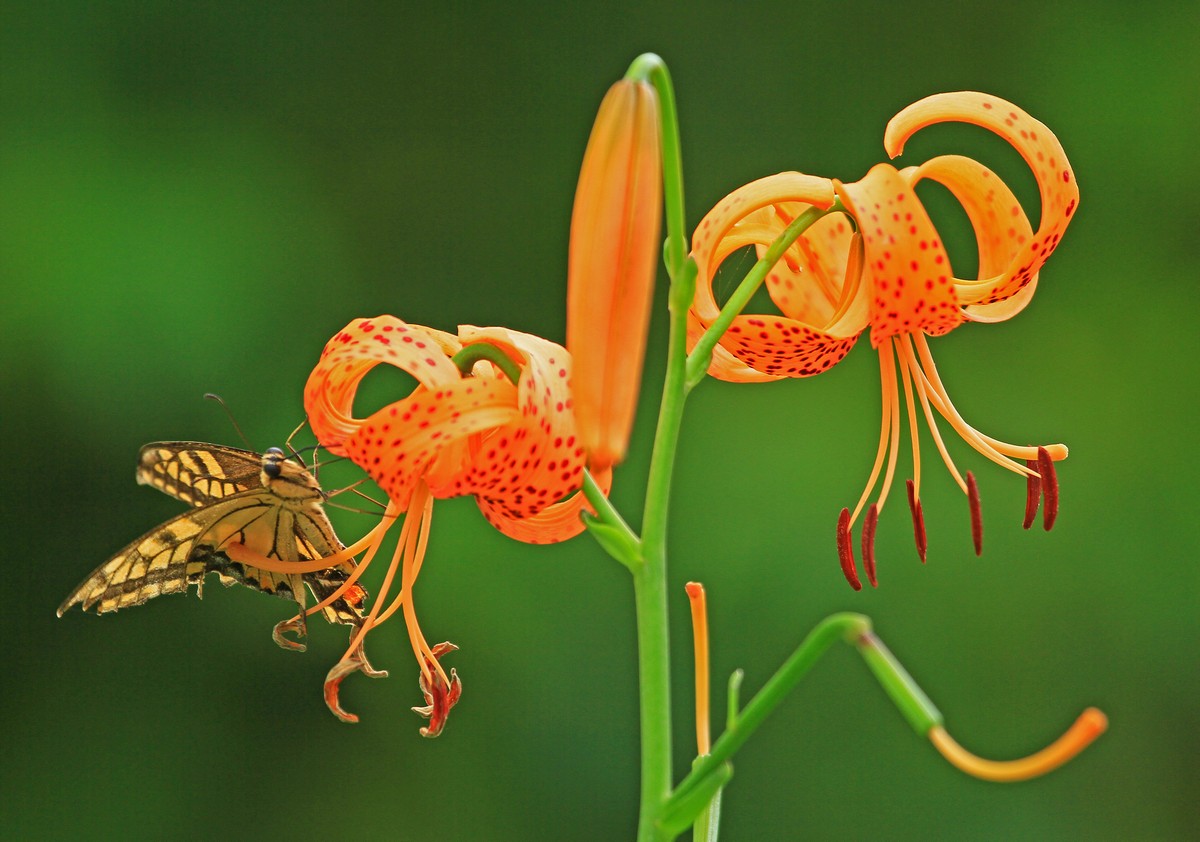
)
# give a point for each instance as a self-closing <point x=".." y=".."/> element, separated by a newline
<point x="1033" y="492"/>
<point x="868" y="543"/>
<point x="1049" y="487"/>
<point x="918" y="516"/>
<point x="976" y="513"/>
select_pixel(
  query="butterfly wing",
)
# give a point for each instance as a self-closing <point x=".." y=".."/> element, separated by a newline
<point x="198" y="473"/>
<point x="182" y="551"/>
<point x="315" y="538"/>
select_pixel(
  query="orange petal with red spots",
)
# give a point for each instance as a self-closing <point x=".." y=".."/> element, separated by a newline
<point x="557" y="522"/>
<point x="356" y="349"/>
<point x="1001" y="230"/>
<point x="536" y="459"/>
<point x="906" y="270"/>
<point x="398" y="445"/>
<point x="1038" y="146"/>
<point x="813" y="333"/>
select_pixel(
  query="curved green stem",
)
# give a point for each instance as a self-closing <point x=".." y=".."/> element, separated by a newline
<point x="847" y="627"/>
<point x="471" y="354"/>
<point x="649" y="67"/>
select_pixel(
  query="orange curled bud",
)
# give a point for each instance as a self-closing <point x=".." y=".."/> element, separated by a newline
<point x="1090" y="725"/>
<point x="611" y="266"/>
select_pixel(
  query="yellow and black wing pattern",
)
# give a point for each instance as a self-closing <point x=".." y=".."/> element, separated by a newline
<point x="267" y="502"/>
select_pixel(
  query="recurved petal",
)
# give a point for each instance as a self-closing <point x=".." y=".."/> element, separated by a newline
<point x="819" y="323"/>
<point x="398" y="445"/>
<point x="1038" y="146"/>
<point x="1001" y="230"/>
<point x="557" y="522"/>
<point x="906" y="269"/>
<point x="525" y="466"/>
<point x="356" y="349"/>
<point x="797" y="189"/>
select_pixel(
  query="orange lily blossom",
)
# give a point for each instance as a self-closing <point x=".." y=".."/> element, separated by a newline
<point x="514" y="446"/>
<point x="885" y="268"/>
<point x="613" y="257"/>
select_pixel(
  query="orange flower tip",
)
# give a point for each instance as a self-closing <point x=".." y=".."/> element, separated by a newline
<point x="976" y="513"/>
<point x="1049" y="488"/>
<point x="918" y="519"/>
<point x="1091" y="724"/>
<point x="440" y="696"/>
<point x="695" y="590"/>
<point x="1087" y="727"/>
<point x="1033" y="492"/>
<point x="868" y="543"/>
<point x="297" y="625"/>
<point x="846" y="550"/>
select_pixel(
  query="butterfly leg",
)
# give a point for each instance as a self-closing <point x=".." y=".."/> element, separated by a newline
<point x="297" y="624"/>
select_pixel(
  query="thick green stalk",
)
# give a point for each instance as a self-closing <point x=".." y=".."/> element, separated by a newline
<point x="650" y="576"/>
<point x="650" y="580"/>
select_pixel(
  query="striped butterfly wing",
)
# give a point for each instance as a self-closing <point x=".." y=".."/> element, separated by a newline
<point x="198" y="473"/>
<point x="224" y="484"/>
<point x="180" y="553"/>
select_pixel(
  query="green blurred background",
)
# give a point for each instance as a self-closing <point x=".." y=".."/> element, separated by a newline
<point x="194" y="197"/>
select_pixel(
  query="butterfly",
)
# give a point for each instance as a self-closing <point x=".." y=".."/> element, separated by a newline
<point x="269" y="502"/>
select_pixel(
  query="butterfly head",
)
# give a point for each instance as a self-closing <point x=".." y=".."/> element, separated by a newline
<point x="286" y="477"/>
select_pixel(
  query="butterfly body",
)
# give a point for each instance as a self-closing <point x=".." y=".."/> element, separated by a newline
<point x="268" y="502"/>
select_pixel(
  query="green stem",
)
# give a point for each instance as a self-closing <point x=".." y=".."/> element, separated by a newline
<point x="650" y="579"/>
<point x="471" y="354"/>
<point x="701" y="355"/>
<point x="847" y="627"/>
<point x="650" y="576"/>
<point x="649" y="67"/>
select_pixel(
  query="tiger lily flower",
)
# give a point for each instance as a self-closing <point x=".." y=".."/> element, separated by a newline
<point x="513" y="445"/>
<point x="613" y="256"/>
<point x="881" y="264"/>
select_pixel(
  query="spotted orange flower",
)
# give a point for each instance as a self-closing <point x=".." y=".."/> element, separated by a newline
<point x="614" y="253"/>
<point x="882" y="264"/>
<point x="512" y="445"/>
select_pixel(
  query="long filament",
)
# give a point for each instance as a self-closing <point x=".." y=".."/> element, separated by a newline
<point x="894" y="450"/>
<point x="906" y="378"/>
<point x="888" y="397"/>
<point x="984" y="444"/>
<point x="907" y="357"/>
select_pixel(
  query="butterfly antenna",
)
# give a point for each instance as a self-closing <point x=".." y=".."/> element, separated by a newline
<point x="213" y="397"/>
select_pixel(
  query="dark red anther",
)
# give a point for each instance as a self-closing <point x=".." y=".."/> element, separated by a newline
<point x="918" y="516"/>
<point x="1033" y="493"/>
<point x="976" y="513"/>
<point x="868" y="543"/>
<point x="1049" y="487"/>
<point x="846" y="550"/>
